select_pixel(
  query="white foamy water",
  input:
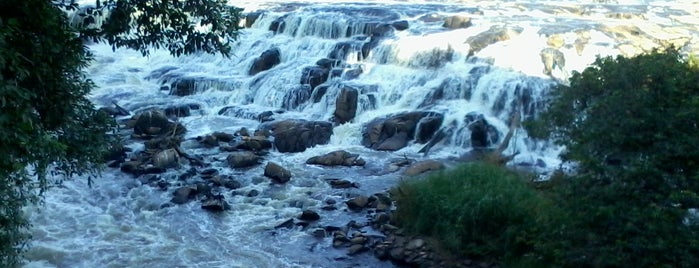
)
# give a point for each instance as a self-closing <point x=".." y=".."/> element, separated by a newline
<point x="121" y="223"/>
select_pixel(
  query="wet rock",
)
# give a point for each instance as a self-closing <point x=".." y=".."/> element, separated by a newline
<point x="483" y="134"/>
<point x="491" y="36"/>
<point x="277" y="173"/>
<point x="423" y="166"/>
<point x="288" y="224"/>
<point x="154" y="123"/>
<point x="429" y="18"/>
<point x="179" y="110"/>
<point x="184" y="194"/>
<point x="341" y="184"/>
<point x="341" y="50"/>
<point x="328" y="63"/>
<point x="319" y="92"/>
<point x="268" y="59"/>
<point x="297" y="96"/>
<point x="254" y="143"/>
<point x="253" y="193"/>
<point x="346" y="105"/>
<point x="208" y="141"/>
<point x="357" y="203"/>
<point x="166" y="159"/>
<point x="278" y="25"/>
<point x="297" y="135"/>
<point x="225" y="181"/>
<point x="457" y="22"/>
<point x="336" y="158"/>
<point x="394" y="132"/>
<point x="132" y="167"/>
<point x="401" y="25"/>
<point x="552" y="59"/>
<point x="309" y="215"/>
<point x="314" y="76"/>
<point x="114" y="111"/>
<point x="243" y="159"/>
<point x="216" y="203"/>
<point x="319" y="233"/>
<point x="356" y="249"/>
<point x="251" y="17"/>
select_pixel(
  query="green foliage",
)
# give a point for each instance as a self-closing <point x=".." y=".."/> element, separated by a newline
<point x="49" y="130"/>
<point x="479" y="210"/>
<point x="181" y="26"/>
<point x="631" y="126"/>
<point x="629" y="112"/>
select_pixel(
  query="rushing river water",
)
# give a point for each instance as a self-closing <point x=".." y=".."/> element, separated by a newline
<point x="118" y="222"/>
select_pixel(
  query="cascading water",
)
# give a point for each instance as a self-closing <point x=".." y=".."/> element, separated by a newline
<point x="323" y="49"/>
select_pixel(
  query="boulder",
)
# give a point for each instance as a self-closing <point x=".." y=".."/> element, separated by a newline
<point x="297" y="135"/>
<point x="309" y="215"/>
<point x="243" y="159"/>
<point x="180" y="110"/>
<point x="346" y="104"/>
<point x="166" y="159"/>
<point x="215" y="203"/>
<point x="357" y="203"/>
<point x="254" y="143"/>
<point x="183" y="194"/>
<point x="277" y="173"/>
<point x="552" y="59"/>
<point x="296" y="96"/>
<point x="268" y="59"/>
<point x="394" y="132"/>
<point x="251" y="17"/>
<point x="483" y="134"/>
<point x="422" y="167"/>
<point x="336" y="158"/>
<point x="491" y="36"/>
<point x="457" y="22"/>
<point x="155" y="123"/>
<point x="401" y="25"/>
<point x="314" y="76"/>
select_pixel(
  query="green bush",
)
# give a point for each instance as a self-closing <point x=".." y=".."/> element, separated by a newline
<point x="630" y="125"/>
<point x="479" y="210"/>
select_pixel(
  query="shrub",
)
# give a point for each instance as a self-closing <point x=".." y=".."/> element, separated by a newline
<point x="630" y="125"/>
<point x="479" y="210"/>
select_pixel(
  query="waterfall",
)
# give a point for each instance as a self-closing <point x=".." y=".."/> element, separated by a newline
<point x="295" y="60"/>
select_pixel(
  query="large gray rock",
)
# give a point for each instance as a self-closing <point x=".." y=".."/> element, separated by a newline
<point x="491" y="36"/>
<point x="277" y="173"/>
<point x="297" y="135"/>
<point x="156" y="123"/>
<point x="422" y="167"/>
<point x="396" y="131"/>
<point x="457" y="22"/>
<point x="268" y="59"/>
<point x="243" y="159"/>
<point x="314" y="76"/>
<point x="552" y="59"/>
<point x="215" y="203"/>
<point x="346" y="105"/>
<point x="336" y="158"/>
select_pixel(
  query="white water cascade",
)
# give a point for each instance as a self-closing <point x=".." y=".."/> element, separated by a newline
<point x="122" y="222"/>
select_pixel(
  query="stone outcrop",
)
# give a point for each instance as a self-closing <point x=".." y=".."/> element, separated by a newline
<point x="396" y="131"/>
<point x="243" y="159"/>
<point x="346" y="105"/>
<point x="292" y="136"/>
<point x="277" y="173"/>
<point x="268" y="59"/>
<point x="337" y="158"/>
<point x="457" y="22"/>
<point x="491" y="36"/>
